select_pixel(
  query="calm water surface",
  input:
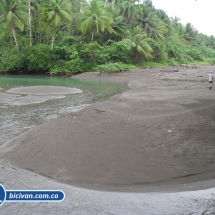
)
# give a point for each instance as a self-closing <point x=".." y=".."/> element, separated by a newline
<point x="14" y="119"/>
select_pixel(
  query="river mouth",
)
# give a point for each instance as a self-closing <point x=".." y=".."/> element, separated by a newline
<point x="28" y="101"/>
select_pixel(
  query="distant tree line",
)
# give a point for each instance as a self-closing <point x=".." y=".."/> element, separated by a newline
<point x="72" y="36"/>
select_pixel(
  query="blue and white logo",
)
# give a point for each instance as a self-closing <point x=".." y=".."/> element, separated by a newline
<point x="30" y="195"/>
<point x="2" y="194"/>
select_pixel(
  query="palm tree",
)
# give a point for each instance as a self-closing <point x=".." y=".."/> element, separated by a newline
<point x="55" y="12"/>
<point x="118" y="25"/>
<point x="138" y="39"/>
<point x="161" y="31"/>
<point x="190" y="32"/>
<point x="96" y="19"/>
<point x="128" y="9"/>
<point x="164" y="17"/>
<point x="175" y="21"/>
<point x="13" y="15"/>
<point x="149" y="21"/>
<point x="32" y="4"/>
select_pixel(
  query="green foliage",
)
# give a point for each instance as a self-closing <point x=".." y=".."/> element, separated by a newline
<point x="69" y="61"/>
<point x="58" y="70"/>
<point x="207" y="51"/>
<point x="89" y="52"/>
<point x="172" y="62"/>
<point x="49" y="39"/>
<point x="54" y="12"/>
<point x="110" y="67"/>
<point x="159" y="50"/>
<point x="64" y="49"/>
<point x="194" y="53"/>
<point x="174" y="48"/>
<point x="70" y="40"/>
<point x="211" y="60"/>
<point x="13" y="15"/>
<point x="129" y="66"/>
<point x="39" y="58"/>
<point x="96" y="19"/>
<point x="139" y="42"/>
<point x="181" y="52"/>
<point x="12" y="61"/>
<point x="72" y="56"/>
<point x="5" y="39"/>
<point x="114" y="52"/>
<point x="75" y="64"/>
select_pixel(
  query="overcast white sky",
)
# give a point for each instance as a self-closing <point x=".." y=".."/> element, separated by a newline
<point x="200" y="13"/>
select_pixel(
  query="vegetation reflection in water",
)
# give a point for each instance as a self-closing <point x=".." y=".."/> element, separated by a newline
<point x="18" y="118"/>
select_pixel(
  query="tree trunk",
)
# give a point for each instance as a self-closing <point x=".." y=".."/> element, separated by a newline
<point x="92" y="36"/>
<point x="52" y="45"/>
<point x="29" y="20"/>
<point x="81" y="7"/>
<point x="106" y="1"/>
<point x="14" y="36"/>
<point x="113" y="2"/>
<point x="40" y="37"/>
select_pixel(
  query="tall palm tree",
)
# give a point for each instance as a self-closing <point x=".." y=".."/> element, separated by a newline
<point x="32" y="4"/>
<point x="138" y="39"/>
<point x="190" y="33"/>
<point x="162" y="29"/>
<point x="13" y="15"/>
<point x="164" y="17"/>
<point x="128" y="9"/>
<point x="149" y="21"/>
<point x="96" y="19"/>
<point x="118" y="25"/>
<point x="54" y="13"/>
<point x="175" y="21"/>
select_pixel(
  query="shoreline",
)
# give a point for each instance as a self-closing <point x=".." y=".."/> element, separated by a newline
<point x="134" y="136"/>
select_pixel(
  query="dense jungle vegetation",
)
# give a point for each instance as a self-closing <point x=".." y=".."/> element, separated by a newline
<point x="72" y="36"/>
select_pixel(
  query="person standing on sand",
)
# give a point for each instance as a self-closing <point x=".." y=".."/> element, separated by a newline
<point x="210" y="79"/>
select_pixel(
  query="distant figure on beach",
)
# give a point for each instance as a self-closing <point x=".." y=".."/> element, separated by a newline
<point x="210" y="79"/>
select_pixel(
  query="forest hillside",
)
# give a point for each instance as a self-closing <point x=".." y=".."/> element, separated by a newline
<point x="60" y="37"/>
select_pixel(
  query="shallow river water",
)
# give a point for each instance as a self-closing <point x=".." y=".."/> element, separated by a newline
<point x="20" y="111"/>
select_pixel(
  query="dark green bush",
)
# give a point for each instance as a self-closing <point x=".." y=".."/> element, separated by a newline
<point x="73" y="64"/>
<point x="12" y="61"/>
<point x="114" y="52"/>
<point x="89" y="52"/>
<point x="194" y="53"/>
<point x="159" y="50"/>
<point x="207" y="52"/>
<point x="39" y="58"/>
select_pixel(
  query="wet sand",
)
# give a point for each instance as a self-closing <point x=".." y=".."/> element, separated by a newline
<point x="159" y="134"/>
<point x="80" y="201"/>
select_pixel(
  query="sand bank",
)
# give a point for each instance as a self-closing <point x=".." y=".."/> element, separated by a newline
<point x="159" y="133"/>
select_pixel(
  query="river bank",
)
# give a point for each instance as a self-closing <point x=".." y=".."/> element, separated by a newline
<point x="157" y="136"/>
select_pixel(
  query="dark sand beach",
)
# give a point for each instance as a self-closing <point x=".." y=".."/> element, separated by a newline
<point x="159" y="133"/>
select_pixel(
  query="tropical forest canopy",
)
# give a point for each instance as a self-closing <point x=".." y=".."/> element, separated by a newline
<point x="72" y="36"/>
